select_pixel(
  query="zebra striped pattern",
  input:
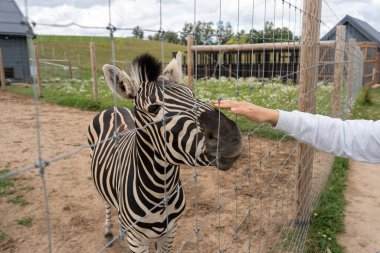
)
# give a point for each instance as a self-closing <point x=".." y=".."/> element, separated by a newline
<point x="137" y="173"/>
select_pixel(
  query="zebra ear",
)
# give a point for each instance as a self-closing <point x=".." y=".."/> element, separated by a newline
<point x="173" y="72"/>
<point x="178" y="57"/>
<point x="119" y="82"/>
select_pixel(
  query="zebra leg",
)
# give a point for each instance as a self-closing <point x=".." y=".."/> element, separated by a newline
<point x="108" y="225"/>
<point x="165" y="242"/>
<point x="137" y="244"/>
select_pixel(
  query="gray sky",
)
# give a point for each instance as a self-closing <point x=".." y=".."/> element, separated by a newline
<point x="146" y="14"/>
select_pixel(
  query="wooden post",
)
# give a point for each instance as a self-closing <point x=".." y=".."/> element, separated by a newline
<point x="93" y="69"/>
<point x="352" y="69"/>
<point x="308" y="79"/>
<point x="374" y="73"/>
<point x="365" y="52"/>
<point x="338" y="68"/>
<point x="2" y="72"/>
<point x="70" y="70"/>
<point x="79" y="68"/>
<point x="38" y="75"/>
<point x="190" y="62"/>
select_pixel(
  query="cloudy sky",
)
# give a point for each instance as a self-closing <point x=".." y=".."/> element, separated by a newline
<point x="146" y="14"/>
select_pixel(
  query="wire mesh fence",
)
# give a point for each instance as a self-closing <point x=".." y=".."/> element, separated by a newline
<point x="263" y="204"/>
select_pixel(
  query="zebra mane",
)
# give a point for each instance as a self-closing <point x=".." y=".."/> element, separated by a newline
<point x="145" y="68"/>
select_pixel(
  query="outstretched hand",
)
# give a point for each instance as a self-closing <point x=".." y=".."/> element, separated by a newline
<point x="251" y="111"/>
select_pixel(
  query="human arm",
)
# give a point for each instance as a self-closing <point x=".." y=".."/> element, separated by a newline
<point x="251" y="111"/>
<point x="356" y="139"/>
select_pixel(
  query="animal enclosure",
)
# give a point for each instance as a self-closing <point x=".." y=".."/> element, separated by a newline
<point x="263" y="204"/>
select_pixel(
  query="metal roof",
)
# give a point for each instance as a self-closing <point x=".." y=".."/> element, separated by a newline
<point x="367" y="30"/>
<point x="12" y="20"/>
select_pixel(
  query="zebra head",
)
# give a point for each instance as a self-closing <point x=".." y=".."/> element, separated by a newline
<point x="178" y="127"/>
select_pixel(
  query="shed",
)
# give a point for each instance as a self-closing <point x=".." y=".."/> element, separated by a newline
<point x="368" y="39"/>
<point x="14" y="33"/>
<point x="355" y="29"/>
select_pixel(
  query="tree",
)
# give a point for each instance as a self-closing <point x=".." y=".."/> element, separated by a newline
<point x="186" y="30"/>
<point x="171" y="37"/>
<point x="203" y="33"/>
<point x="268" y="35"/>
<point x="224" y="32"/>
<point x="138" y="32"/>
<point x="276" y="34"/>
<point x="240" y="38"/>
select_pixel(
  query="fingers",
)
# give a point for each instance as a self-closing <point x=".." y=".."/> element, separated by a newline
<point x="225" y="104"/>
<point x="235" y="110"/>
<point x="235" y="106"/>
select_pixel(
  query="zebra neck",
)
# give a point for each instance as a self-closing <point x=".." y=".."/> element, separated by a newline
<point x="154" y="172"/>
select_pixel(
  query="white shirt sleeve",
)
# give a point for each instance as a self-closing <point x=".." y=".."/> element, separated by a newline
<point x="356" y="139"/>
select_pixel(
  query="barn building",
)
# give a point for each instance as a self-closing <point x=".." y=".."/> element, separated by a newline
<point x="368" y="39"/>
<point x="356" y="29"/>
<point x="14" y="33"/>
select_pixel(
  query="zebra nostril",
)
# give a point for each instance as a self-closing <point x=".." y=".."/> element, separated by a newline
<point x="211" y="137"/>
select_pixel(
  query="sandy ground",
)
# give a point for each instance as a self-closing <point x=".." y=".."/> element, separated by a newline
<point x="77" y="212"/>
<point x="362" y="214"/>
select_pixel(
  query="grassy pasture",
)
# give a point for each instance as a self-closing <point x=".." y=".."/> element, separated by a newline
<point x="77" y="50"/>
<point x="274" y="94"/>
<point x="77" y="92"/>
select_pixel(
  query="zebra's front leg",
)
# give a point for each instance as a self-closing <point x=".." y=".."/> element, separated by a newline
<point x="108" y="226"/>
<point x="137" y="244"/>
<point x="165" y="242"/>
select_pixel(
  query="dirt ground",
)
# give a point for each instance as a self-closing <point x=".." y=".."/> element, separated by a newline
<point x="362" y="220"/>
<point x="77" y="212"/>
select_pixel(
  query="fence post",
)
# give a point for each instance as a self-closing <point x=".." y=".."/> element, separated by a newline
<point x="93" y="69"/>
<point x="70" y="70"/>
<point x="307" y="100"/>
<point x="38" y="74"/>
<point x="352" y="70"/>
<point x="374" y="73"/>
<point x="2" y="73"/>
<point x="365" y="53"/>
<point x="190" y="62"/>
<point x="338" y="68"/>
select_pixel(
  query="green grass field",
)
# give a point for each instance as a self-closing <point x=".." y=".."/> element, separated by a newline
<point x="77" y="50"/>
<point x="78" y="93"/>
<point x="367" y="105"/>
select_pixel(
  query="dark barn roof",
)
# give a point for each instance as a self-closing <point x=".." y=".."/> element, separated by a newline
<point x="12" y="20"/>
<point x="366" y="31"/>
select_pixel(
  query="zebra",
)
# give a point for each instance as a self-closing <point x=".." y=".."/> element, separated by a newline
<point x="137" y="172"/>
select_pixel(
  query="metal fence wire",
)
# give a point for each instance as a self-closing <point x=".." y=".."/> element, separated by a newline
<point x="265" y="202"/>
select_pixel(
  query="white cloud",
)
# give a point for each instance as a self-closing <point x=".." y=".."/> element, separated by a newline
<point x="146" y="14"/>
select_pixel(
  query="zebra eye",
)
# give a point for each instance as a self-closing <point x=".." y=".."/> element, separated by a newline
<point x="154" y="109"/>
<point x="122" y="87"/>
